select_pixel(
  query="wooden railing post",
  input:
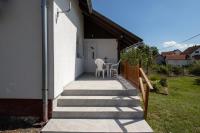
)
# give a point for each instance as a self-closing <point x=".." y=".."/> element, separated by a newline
<point x="126" y="70"/>
<point x="145" y="91"/>
<point x="136" y="75"/>
<point x="146" y="101"/>
<point x="140" y="63"/>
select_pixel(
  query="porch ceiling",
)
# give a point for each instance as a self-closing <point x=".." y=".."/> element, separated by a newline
<point x="108" y="28"/>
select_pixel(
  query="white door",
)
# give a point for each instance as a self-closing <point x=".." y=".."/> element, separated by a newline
<point x="91" y="49"/>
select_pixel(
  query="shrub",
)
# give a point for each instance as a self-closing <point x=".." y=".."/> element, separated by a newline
<point x="195" y="68"/>
<point x="156" y="86"/>
<point x="177" y="70"/>
<point x="163" y="82"/>
<point x="163" y="69"/>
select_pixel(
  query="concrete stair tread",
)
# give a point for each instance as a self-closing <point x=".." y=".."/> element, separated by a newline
<point x="97" y="85"/>
<point x="97" y="126"/>
<point x="100" y="92"/>
<point x="98" y="101"/>
<point x="98" y="112"/>
<point x="102" y="97"/>
<point x="98" y="109"/>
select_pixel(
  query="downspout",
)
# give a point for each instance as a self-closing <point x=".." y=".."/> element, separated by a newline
<point x="44" y="60"/>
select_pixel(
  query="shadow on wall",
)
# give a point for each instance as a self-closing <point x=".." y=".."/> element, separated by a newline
<point x="71" y="10"/>
<point x="4" y="7"/>
<point x="64" y="7"/>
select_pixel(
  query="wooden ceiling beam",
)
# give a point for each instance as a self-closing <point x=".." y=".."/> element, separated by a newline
<point x="106" y="28"/>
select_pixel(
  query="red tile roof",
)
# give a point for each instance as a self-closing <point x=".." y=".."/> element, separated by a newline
<point x="190" y="50"/>
<point x="176" y="57"/>
<point x="170" y="52"/>
<point x="167" y="53"/>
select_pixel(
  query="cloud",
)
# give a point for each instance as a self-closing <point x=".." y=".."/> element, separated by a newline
<point x="170" y="45"/>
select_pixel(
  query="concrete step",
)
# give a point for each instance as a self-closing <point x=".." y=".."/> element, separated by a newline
<point x="98" y="112"/>
<point x="97" y="126"/>
<point x="99" y="92"/>
<point x="98" y="101"/>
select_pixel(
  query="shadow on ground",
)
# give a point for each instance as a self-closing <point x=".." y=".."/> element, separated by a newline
<point x="19" y="124"/>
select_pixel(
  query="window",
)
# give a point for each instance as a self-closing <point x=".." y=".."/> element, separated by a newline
<point x="196" y="52"/>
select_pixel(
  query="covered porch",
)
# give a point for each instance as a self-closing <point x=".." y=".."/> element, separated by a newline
<point x="102" y="39"/>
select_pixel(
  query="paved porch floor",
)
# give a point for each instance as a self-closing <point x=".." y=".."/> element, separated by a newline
<point x="89" y="81"/>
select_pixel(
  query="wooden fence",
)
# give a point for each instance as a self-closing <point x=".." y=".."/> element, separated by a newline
<point x="138" y="78"/>
<point x="130" y="73"/>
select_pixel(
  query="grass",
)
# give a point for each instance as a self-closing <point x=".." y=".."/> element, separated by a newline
<point x="178" y="112"/>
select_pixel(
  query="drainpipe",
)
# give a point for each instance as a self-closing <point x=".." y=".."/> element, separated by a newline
<point x="44" y="60"/>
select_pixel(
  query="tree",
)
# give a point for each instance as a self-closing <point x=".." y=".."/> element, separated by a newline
<point x="154" y="51"/>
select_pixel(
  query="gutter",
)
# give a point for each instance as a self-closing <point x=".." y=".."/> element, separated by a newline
<point x="44" y="60"/>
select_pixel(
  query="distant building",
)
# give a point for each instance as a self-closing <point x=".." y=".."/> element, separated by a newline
<point x="176" y="52"/>
<point x="178" y="58"/>
<point x="159" y="59"/>
<point x="193" y="52"/>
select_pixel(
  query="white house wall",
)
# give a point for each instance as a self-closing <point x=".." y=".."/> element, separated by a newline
<point x="178" y="62"/>
<point x="67" y="28"/>
<point x="193" y="54"/>
<point x="104" y="48"/>
<point x="21" y="49"/>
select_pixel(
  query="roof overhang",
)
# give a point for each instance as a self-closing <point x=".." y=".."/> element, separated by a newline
<point x="86" y="5"/>
<point x="112" y="27"/>
<point x="89" y="4"/>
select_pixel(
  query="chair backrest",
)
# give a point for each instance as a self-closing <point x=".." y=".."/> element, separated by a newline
<point x="119" y="62"/>
<point x="99" y="63"/>
<point x="116" y="66"/>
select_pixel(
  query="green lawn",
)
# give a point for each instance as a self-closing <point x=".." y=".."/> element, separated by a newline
<point x="179" y="112"/>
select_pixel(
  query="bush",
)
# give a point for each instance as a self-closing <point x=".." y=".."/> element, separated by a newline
<point x="156" y="86"/>
<point x="177" y="70"/>
<point x="163" y="69"/>
<point x="195" y="68"/>
<point x="159" y="84"/>
<point x="163" y="82"/>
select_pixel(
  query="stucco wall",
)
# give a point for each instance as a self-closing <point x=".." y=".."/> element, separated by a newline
<point x="193" y="54"/>
<point x="177" y="62"/>
<point x="21" y="50"/>
<point x="67" y="28"/>
<point x="103" y="48"/>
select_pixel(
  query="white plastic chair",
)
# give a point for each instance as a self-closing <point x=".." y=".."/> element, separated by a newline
<point x="100" y="64"/>
<point x="114" y="68"/>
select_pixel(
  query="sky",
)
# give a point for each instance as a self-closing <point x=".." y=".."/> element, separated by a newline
<point x="161" y="23"/>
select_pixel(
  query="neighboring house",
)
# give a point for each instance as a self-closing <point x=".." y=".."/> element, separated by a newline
<point x="159" y="59"/>
<point x="193" y="52"/>
<point x="173" y="58"/>
<point x="177" y="60"/>
<point x="44" y="49"/>
<point x="176" y="52"/>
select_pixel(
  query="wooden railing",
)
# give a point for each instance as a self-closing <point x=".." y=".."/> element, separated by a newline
<point x="138" y="78"/>
<point x="130" y="73"/>
<point x="145" y="86"/>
